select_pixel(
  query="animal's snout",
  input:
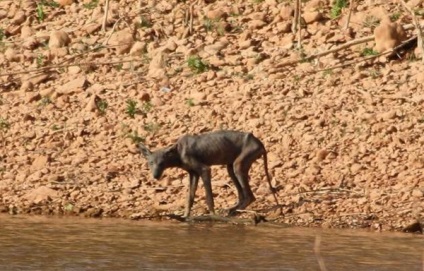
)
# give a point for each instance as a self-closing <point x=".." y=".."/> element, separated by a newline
<point x="156" y="176"/>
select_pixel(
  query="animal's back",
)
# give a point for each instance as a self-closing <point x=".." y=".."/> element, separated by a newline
<point x="213" y="148"/>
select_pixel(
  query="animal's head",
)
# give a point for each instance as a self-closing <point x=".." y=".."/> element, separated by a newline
<point x="159" y="160"/>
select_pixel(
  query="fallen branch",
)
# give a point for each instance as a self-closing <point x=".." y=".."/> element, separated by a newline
<point x="336" y="49"/>
<point x="70" y="65"/>
<point x="404" y="44"/>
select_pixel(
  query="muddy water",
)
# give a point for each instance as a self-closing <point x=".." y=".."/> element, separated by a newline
<point x="38" y="243"/>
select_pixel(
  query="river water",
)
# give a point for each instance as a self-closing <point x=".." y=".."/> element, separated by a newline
<point x="46" y="243"/>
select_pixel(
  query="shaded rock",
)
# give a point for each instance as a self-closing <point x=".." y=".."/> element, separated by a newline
<point x="59" y="39"/>
<point x="122" y="40"/>
<point x="41" y="194"/>
<point x="388" y="35"/>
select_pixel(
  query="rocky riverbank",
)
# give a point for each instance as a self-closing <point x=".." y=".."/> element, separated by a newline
<point x="343" y="125"/>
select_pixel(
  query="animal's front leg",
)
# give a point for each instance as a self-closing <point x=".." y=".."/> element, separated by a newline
<point x="206" y="177"/>
<point x="192" y="187"/>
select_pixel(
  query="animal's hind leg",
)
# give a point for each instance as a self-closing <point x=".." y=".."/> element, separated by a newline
<point x="240" y="194"/>
<point x="241" y="170"/>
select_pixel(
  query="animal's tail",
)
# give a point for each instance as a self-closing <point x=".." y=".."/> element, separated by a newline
<point x="268" y="178"/>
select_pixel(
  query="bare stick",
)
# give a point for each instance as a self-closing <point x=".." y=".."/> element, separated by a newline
<point x="105" y="16"/>
<point x="317" y="250"/>
<point x="336" y="49"/>
<point x="191" y="19"/>
<point x="341" y="47"/>
<point x="296" y="17"/>
<point x="417" y="25"/>
<point x="349" y="14"/>
<point x="299" y="25"/>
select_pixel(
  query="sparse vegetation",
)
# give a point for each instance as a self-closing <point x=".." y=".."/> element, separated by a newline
<point x="144" y="22"/>
<point x="2" y="35"/>
<point x="336" y="9"/>
<point x="40" y="60"/>
<point x="4" y="124"/>
<point x="102" y="106"/>
<point x="45" y="101"/>
<point x="91" y="5"/>
<point x="40" y="12"/>
<point x="196" y="64"/>
<point x="190" y="102"/>
<point x="369" y="52"/>
<point x="131" y="109"/>
<point x="371" y="22"/>
<point x="395" y="16"/>
<point x="135" y="138"/>
<point x="151" y="127"/>
<point x="146" y="107"/>
<point x="52" y="4"/>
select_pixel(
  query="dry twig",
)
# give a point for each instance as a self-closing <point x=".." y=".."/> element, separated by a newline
<point x="105" y="16"/>
<point x="349" y="14"/>
<point x="417" y="25"/>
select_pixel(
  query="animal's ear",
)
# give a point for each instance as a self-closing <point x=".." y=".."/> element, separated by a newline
<point x="171" y="150"/>
<point x="144" y="150"/>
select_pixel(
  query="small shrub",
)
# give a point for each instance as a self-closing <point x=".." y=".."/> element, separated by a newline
<point x="91" y="5"/>
<point x="395" y="16"/>
<point x="45" y="101"/>
<point x="371" y="22"/>
<point x="190" y="102"/>
<point x="146" y="108"/>
<point x="151" y="127"/>
<point x="369" y="52"/>
<point x="2" y="35"/>
<point x="40" y="12"/>
<point x="40" y="60"/>
<point x="196" y="64"/>
<point x="131" y="108"/>
<point x="102" y="106"/>
<point x="4" y="124"/>
<point x="135" y="138"/>
<point x="337" y="7"/>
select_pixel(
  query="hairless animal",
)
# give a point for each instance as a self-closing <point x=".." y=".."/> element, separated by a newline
<point x="196" y="153"/>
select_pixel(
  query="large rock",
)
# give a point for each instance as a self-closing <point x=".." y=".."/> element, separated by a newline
<point x="59" y="39"/>
<point x="388" y="35"/>
<point x="122" y="40"/>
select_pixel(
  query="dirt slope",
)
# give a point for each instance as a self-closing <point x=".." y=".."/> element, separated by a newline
<point x="345" y="145"/>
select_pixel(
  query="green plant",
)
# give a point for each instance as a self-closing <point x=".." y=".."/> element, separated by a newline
<point x="257" y="1"/>
<point x="102" y="106"/>
<point x="40" y="12"/>
<point x="131" y="108"/>
<point x="52" y="4"/>
<point x="45" y="101"/>
<point x="119" y="67"/>
<point x="146" y="107"/>
<point x="196" y="64"/>
<point x="369" y="52"/>
<point x="327" y="72"/>
<point x="91" y="5"/>
<point x="190" y="102"/>
<point x="371" y="22"/>
<point x="40" y="60"/>
<point x="337" y="7"/>
<point x="135" y="138"/>
<point x="56" y="127"/>
<point x="151" y="127"/>
<point x="2" y="35"/>
<point x="395" y="16"/>
<point x="4" y="124"/>
<point x="144" y="22"/>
